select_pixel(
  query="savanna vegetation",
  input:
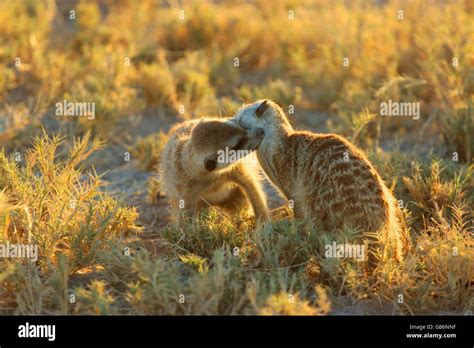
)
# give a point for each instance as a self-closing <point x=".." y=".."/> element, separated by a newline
<point x="84" y="189"/>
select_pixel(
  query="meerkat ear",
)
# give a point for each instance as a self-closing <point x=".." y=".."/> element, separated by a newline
<point x="210" y="164"/>
<point x="261" y="108"/>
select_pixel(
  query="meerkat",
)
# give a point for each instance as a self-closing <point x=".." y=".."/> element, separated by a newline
<point x="329" y="180"/>
<point x="195" y="172"/>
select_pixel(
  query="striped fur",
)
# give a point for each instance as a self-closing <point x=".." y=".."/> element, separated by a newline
<point x="331" y="182"/>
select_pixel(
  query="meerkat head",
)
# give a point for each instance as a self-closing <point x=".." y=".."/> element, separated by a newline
<point x="264" y="114"/>
<point x="218" y="144"/>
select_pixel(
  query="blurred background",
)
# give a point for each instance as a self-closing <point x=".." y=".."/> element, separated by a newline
<point x="334" y="62"/>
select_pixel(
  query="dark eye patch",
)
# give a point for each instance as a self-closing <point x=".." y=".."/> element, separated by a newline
<point x="210" y="164"/>
<point x="240" y="144"/>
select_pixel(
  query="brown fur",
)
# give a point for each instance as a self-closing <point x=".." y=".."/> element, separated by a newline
<point x="190" y="174"/>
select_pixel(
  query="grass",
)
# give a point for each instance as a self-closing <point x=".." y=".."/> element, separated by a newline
<point x="59" y="182"/>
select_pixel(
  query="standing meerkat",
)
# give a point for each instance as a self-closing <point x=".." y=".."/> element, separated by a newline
<point x="196" y="172"/>
<point x="331" y="182"/>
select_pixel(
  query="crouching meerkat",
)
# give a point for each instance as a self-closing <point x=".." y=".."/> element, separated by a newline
<point x="196" y="173"/>
<point x="331" y="182"/>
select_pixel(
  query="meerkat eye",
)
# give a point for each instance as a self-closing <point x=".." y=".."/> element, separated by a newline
<point x="261" y="108"/>
<point x="210" y="164"/>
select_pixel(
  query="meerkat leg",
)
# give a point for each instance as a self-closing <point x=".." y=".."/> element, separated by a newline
<point x="176" y="211"/>
<point x="255" y="196"/>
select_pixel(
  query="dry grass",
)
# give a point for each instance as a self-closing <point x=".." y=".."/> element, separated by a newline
<point x="94" y="257"/>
